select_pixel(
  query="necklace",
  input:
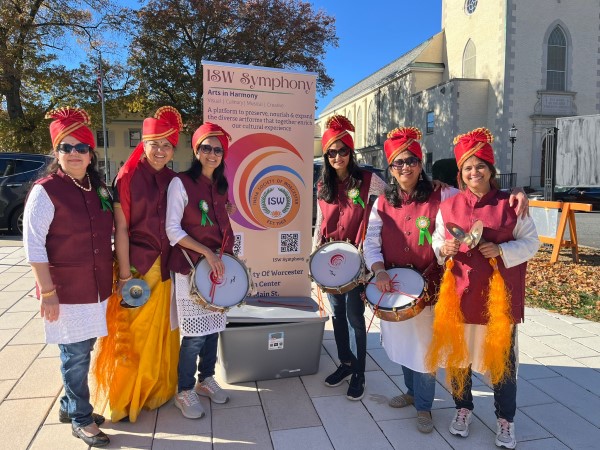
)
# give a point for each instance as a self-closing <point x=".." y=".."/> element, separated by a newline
<point x="87" y="189"/>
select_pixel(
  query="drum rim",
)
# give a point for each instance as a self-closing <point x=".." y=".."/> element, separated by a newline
<point x="408" y="305"/>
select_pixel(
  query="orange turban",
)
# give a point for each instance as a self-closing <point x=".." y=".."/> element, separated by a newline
<point x="166" y="124"/>
<point x="474" y="143"/>
<point x="400" y="139"/>
<point x="337" y="130"/>
<point x="207" y="130"/>
<point x="70" y="122"/>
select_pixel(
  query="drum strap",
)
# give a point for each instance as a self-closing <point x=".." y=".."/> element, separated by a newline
<point x="188" y="259"/>
<point x="429" y="267"/>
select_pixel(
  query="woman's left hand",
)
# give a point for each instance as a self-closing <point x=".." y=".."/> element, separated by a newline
<point x="437" y="184"/>
<point x="489" y="250"/>
<point x="230" y="208"/>
<point x="522" y="208"/>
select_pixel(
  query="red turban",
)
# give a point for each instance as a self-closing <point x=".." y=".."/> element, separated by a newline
<point x="70" y="122"/>
<point x="337" y="130"/>
<point x="207" y="130"/>
<point x="474" y="143"/>
<point x="166" y="124"/>
<point x="400" y="139"/>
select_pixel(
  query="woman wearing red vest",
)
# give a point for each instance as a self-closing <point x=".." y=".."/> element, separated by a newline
<point x="67" y="225"/>
<point x="399" y="234"/>
<point x="136" y="365"/>
<point x="197" y="222"/>
<point x="343" y="193"/>
<point x="482" y="296"/>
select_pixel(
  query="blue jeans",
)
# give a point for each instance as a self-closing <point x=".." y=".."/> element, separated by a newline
<point x="192" y="348"/>
<point x="505" y="393"/>
<point x="421" y="386"/>
<point x="349" y="328"/>
<point x="75" y="359"/>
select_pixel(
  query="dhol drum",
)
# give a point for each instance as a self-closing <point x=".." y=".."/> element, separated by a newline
<point x="220" y="295"/>
<point x="337" y="267"/>
<point x="407" y="299"/>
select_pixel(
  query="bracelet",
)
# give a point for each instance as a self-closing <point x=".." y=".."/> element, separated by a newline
<point x="126" y="278"/>
<point x="48" y="294"/>
<point x="378" y="271"/>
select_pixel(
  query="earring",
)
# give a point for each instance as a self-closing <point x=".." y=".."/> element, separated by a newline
<point x="421" y="176"/>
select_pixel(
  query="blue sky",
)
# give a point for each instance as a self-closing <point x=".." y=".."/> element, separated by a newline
<point x="371" y="35"/>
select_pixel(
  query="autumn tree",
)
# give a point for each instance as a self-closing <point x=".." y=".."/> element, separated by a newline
<point x="174" y="36"/>
<point x="38" y="41"/>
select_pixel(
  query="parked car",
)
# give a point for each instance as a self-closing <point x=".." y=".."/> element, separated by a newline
<point x="17" y="173"/>
<point x="318" y="166"/>
<point x="573" y="194"/>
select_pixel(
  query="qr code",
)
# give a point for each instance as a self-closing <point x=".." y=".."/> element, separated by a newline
<point x="289" y="242"/>
<point x="238" y="244"/>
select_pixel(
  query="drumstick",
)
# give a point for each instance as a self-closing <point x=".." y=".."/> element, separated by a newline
<point x="214" y="285"/>
<point x="396" y="291"/>
<point x="377" y="305"/>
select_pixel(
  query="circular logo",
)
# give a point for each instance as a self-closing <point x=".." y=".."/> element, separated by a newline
<point x="275" y="201"/>
<point x="336" y="260"/>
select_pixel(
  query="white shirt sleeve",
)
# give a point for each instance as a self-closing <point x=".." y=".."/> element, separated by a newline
<point x="439" y="236"/>
<point x="372" y="244"/>
<point x="525" y="245"/>
<point x="37" y="217"/>
<point x="317" y="236"/>
<point x="177" y="200"/>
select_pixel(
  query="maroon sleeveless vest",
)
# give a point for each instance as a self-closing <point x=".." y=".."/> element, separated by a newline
<point x="400" y="237"/>
<point x="147" y="236"/>
<point x="472" y="270"/>
<point x="78" y="242"/>
<point x="191" y="222"/>
<point x="342" y="218"/>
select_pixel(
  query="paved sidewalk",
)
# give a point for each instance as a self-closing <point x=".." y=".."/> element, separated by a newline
<point x="558" y="397"/>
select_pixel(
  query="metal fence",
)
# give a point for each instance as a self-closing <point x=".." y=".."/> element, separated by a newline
<point x="507" y="180"/>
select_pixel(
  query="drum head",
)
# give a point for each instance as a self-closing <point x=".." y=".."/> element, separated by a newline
<point x="230" y="290"/>
<point x="406" y="281"/>
<point x="335" y="264"/>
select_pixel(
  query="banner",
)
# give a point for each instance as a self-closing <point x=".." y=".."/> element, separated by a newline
<point x="270" y="116"/>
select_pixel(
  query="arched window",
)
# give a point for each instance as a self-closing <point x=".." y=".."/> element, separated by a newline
<point x="469" y="60"/>
<point x="386" y="120"/>
<point x="358" y="126"/>
<point x="556" y="67"/>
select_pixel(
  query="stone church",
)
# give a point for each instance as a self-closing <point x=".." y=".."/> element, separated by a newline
<point x="495" y="63"/>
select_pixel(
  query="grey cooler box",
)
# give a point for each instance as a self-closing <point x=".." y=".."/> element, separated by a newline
<point x="270" y="338"/>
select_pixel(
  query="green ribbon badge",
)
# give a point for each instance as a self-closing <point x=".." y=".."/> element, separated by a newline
<point x="354" y="194"/>
<point x="104" y="197"/>
<point x="204" y="208"/>
<point x="423" y="226"/>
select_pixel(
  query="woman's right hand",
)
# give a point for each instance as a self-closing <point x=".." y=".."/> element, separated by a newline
<point x="215" y="263"/>
<point x="450" y="247"/>
<point x="49" y="307"/>
<point x="383" y="282"/>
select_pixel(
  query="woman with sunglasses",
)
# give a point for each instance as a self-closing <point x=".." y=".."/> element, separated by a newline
<point x="343" y="193"/>
<point x="399" y="234"/>
<point x="198" y="224"/>
<point x="67" y="238"/>
<point x="482" y="297"/>
<point x="136" y="365"/>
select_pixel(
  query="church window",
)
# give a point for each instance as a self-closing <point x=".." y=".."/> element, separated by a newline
<point x="557" y="61"/>
<point x="469" y="60"/>
<point x="470" y="6"/>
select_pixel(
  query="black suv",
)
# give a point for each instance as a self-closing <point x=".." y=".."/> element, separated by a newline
<point x="17" y="172"/>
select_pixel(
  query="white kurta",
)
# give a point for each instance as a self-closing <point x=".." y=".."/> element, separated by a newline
<point x="405" y="342"/>
<point x="76" y="322"/>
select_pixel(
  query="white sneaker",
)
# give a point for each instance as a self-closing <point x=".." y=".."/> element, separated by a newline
<point x="210" y="388"/>
<point x="189" y="404"/>
<point x="461" y="421"/>
<point x="505" y="434"/>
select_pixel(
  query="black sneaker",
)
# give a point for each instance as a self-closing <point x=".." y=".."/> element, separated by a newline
<point x="356" y="390"/>
<point x="342" y="373"/>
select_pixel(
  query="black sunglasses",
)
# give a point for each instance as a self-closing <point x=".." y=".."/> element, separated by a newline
<point x="82" y="149"/>
<point x="411" y="161"/>
<point x="206" y="149"/>
<point x="344" y="151"/>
